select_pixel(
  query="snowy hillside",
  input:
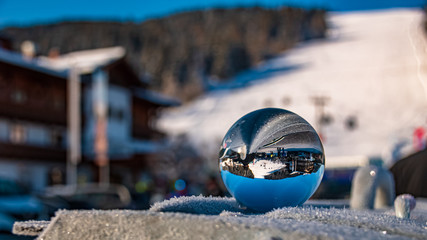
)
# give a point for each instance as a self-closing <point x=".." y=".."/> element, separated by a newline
<point x="372" y="67"/>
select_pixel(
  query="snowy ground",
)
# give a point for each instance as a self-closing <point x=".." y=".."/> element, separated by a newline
<point x="373" y="66"/>
<point x="222" y="218"/>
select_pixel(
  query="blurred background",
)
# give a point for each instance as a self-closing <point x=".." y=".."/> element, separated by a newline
<point x="121" y="104"/>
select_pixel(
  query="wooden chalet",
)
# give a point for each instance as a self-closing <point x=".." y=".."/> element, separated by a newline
<point x="33" y="116"/>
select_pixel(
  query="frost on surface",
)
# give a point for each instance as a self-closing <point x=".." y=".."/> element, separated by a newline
<point x="221" y="218"/>
<point x="197" y="205"/>
<point x="347" y="220"/>
<point x="29" y="228"/>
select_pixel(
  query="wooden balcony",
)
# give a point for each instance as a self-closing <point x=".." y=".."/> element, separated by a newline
<point x="28" y="152"/>
<point x="12" y="110"/>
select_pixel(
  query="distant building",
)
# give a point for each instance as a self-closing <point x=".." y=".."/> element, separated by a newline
<point x="33" y="116"/>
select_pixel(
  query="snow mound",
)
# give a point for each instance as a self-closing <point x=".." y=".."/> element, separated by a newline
<point x="197" y="205"/>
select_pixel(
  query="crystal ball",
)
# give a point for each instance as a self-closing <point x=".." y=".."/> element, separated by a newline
<point x="271" y="158"/>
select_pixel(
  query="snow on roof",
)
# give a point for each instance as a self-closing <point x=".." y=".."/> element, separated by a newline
<point x="86" y="61"/>
<point x="35" y="64"/>
<point x="156" y="98"/>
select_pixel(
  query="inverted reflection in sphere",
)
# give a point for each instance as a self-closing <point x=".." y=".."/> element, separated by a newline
<point x="271" y="158"/>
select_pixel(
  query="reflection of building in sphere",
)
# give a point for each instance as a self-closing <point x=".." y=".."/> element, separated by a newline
<point x="272" y="164"/>
<point x="237" y="168"/>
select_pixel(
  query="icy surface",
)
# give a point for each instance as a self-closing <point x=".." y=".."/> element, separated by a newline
<point x="221" y="218"/>
<point x="372" y="67"/>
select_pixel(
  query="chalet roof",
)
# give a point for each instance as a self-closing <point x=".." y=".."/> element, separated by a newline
<point x="17" y="59"/>
<point x="156" y="98"/>
<point x="86" y="61"/>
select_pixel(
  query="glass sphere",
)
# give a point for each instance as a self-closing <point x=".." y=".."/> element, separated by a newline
<point x="271" y="158"/>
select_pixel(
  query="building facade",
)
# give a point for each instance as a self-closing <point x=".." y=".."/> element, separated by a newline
<point x="35" y="117"/>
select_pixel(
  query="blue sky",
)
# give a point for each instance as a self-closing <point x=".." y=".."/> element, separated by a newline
<point x="24" y="13"/>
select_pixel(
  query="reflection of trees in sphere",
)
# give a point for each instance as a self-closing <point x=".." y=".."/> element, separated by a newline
<point x="271" y="158"/>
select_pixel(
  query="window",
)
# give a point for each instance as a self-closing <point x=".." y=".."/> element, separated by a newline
<point x="18" y="133"/>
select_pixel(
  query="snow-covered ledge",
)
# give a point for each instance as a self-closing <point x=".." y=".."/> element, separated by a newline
<point x="221" y="218"/>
